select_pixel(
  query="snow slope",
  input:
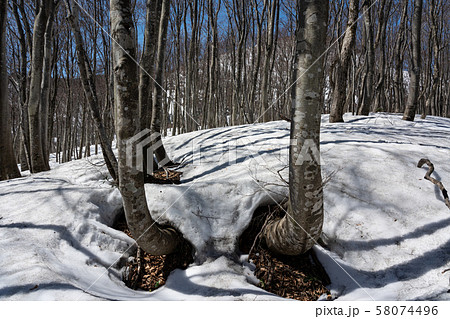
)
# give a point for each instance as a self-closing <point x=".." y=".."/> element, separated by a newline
<point x="386" y="228"/>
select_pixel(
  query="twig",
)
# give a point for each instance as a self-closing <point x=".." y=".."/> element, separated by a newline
<point x="269" y="217"/>
<point x="139" y="268"/>
<point x="434" y="181"/>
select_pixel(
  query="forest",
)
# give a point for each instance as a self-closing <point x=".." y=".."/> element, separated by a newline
<point x="213" y="131"/>
<point x="225" y="63"/>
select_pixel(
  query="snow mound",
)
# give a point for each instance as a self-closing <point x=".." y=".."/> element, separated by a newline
<point x="385" y="230"/>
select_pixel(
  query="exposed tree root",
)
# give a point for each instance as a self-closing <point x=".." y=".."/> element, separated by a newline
<point x="434" y="181"/>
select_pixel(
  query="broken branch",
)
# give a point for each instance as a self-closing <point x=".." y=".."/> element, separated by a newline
<point x="434" y="181"/>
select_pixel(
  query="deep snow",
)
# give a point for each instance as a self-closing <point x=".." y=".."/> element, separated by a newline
<point x="386" y="228"/>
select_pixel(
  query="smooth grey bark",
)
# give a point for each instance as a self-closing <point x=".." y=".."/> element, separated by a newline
<point x="176" y="21"/>
<point x="300" y="228"/>
<point x="155" y="127"/>
<point x="87" y="80"/>
<point x="8" y="165"/>
<point x="340" y="84"/>
<point x="369" y="63"/>
<point x="434" y="49"/>
<point x="147" y="61"/>
<point x="46" y="72"/>
<point x="265" y="79"/>
<point x="150" y="236"/>
<point x="380" y="91"/>
<point x="414" y="72"/>
<point x="25" y="137"/>
<point x="38" y="162"/>
<point x="399" y="49"/>
<point x="212" y="77"/>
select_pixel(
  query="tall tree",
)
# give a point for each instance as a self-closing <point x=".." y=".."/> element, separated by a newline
<point x="298" y="230"/>
<point x="90" y="91"/>
<point x="155" y="127"/>
<point x="152" y="19"/>
<point x="414" y="72"/>
<point x="8" y="165"/>
<point x="37" y="157"/>
<point x="399" y="49"/>
<point x="272" y="12"/>
<point x="369" y="61"/>
<point x="149" y="235"/>
<point x="341" y="72"/>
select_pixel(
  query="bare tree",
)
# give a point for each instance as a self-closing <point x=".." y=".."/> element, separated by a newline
<point x="150" y="236"/>
<point x="37" y="158"/>
<point x="341" y="72"/>
<point x="369" y="62"/>
<point x="8" y="165"/>
<point x="298" y="230"/>
<point x="414" y="72"/>
<point x="153" y="16"/>
<point x="90" y="91"/>
<point x="272" y="12"/>
<point x="155" y="127"/>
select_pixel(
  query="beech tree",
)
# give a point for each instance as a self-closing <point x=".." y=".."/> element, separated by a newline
<point x="299" y="229"/>
<point x="343" y="60"/>
<point x="8" y="165"/>
<point x="90" y="90"/>
<point x="150" y="236"/>
<point x="414" y="72"/>
<point x="45" y="13"/>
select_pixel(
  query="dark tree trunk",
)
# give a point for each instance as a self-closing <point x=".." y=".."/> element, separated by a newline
<point x="8" y="164"/>
<point x="341" y="73"/>
<point x="414" y="72"/>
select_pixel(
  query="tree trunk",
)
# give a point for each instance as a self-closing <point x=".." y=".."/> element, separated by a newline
<point x="153" y="16"/>
<point x="430" y="104"/>
<point x="87" y="80"/>
<point x="414" y="72"/>
<point x="38" y="162"/>
<point x="8" y="164"/>
<point x="46" y="77"/>
<point x="266" y="66"/>
<point x="300" y="228"/>
<point x="340" y="84"/>
<point x="153" y="238"/>
<point x="369" y="62"/>
<point x="160" y="152"/>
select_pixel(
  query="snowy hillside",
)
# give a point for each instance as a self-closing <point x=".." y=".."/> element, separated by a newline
<point x="385" y="233"/>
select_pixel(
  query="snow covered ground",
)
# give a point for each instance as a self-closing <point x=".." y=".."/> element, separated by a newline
<point x="386" y="228"/>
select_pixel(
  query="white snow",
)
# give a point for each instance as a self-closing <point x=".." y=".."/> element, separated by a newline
<point x="386" y="228"/>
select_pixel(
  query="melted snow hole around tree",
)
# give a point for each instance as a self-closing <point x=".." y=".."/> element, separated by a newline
<point x="226" y="174"/>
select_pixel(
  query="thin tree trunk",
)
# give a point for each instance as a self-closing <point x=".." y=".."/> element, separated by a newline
<point x="160" y="152"/>
<point x="90" y="90"/>
<point x="267" y="56"/>
<point x="340" y="84"/>
<point x="148" y="60"/>
<point x="414" y="72"/>
<point x="45" y="85"/>
<point x="366" y="103"/>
